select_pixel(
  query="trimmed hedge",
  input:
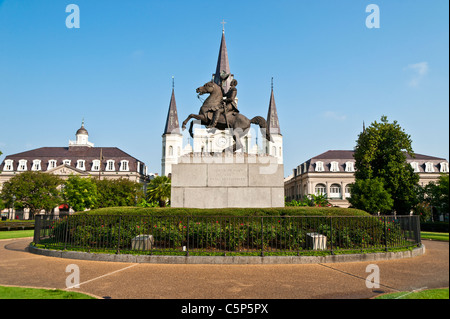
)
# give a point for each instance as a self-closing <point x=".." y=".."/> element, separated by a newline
<point x="282" y="211"/>
<point x="16" y="225"/>
<point x="440" y="227"/>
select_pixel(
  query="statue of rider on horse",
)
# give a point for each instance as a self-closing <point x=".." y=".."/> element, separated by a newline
<point x="219" y="111"/>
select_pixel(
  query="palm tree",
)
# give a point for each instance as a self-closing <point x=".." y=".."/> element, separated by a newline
<point x="159" y="190"/>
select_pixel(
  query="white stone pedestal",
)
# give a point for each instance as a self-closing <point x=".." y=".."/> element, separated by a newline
<point x="220" y="181"/>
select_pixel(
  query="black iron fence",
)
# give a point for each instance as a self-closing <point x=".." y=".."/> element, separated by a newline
<point x="189" y="235"/>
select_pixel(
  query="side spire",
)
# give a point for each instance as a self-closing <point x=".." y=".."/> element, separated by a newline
<point x="272" y="115"/>
<point x="172" y="124"/>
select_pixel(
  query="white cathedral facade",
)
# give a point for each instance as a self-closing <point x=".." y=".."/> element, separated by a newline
<point x="215" y="141"/>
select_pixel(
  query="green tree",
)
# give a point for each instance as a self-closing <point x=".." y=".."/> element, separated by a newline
<point x="34" y="190"/>
<point x="159" y="190"/>
<point x="80" y="193"/>
<point x="118" y="192"/>
<point x="370" y="196"/>
<point x="381" y="152"/>
<point x="434" y="195"/>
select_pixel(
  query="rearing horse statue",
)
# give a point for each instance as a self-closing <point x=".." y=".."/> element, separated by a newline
<point x="238" y="123"/>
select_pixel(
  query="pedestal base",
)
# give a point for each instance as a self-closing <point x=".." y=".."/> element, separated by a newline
<point x="222" y="181"/>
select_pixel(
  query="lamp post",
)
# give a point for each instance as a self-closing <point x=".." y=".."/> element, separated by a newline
<point x="13" y="211"/>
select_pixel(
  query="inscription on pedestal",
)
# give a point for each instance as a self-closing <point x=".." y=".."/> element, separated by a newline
<point x="227" y="175"/>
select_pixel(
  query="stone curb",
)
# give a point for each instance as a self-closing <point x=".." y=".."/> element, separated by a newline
<point x="239" y="260"/>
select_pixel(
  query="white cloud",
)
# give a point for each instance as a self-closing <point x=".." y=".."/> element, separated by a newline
<point x="419" y="71"/>
<point x="137" y="54"/>
<point x="335" y="116"/>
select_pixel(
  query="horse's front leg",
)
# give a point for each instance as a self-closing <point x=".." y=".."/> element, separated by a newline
<point x="191" y="129"/>
<point x="183" y="126"/>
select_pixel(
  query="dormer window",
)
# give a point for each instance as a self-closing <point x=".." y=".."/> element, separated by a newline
<point x="415" y="167"/>
<point x="96" y="165"/>
<point x="429" y="167"/>
<point x="444" y="167"/>
<point x="349" y="167"/>
<point x="110" y="165"/>
<point x="334" y="167"/>
<point x="124" y="166"/>
<point x="8" y="165"/>
<point x="51" y="164"/>
<point x="22" y="165"/>
<point x="319" y="166"/>
<point x="80" y="165"/>
<point x="67" y="162"/>
<point x="36" y="165"/>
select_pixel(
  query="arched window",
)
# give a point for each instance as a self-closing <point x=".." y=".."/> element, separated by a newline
<point x="348" y="191"/>
<point x="320" y="189"/>
<point x="274" y="151"/>
<point x="170" y="150"/>
<point x="335" y="191"/>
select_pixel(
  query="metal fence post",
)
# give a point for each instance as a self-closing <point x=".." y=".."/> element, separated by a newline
<point x="118" y="236"/>
<point x="331" y="235"/>
<point x="66" y="232"/>
<point x="262" y="236"/>
<point x="37" y="229"/>
<point x="187" y="244"/>
<point x="385" y="234"/>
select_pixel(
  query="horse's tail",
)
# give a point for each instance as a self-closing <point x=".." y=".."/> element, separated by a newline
<point x="263" y="126"/>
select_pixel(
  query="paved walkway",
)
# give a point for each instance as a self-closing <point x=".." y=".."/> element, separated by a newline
<point x="158" y="281"/>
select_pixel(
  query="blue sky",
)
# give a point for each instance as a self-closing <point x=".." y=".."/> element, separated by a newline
<point x="330" y="71"/>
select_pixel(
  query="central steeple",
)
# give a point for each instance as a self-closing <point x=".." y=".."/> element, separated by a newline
<point x="223" y="66"/>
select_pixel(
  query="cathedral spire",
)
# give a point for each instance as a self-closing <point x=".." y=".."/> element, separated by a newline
<point x="222" y="62"/>
<point x="272" y="116"/>
<point x="172" y="125"/>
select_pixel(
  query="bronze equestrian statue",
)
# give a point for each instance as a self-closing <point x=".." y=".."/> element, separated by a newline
<point x="214" y="113"/>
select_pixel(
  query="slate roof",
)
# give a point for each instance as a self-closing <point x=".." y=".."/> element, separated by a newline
<point x="74" y="153"/>
<point x="344" y="156"/>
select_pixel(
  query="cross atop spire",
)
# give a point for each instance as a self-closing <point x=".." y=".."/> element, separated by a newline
<point x="223" y="25"/>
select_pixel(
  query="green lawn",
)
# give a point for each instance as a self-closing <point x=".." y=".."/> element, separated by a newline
<point x="16" y="234"/>
<point x="423" y="294"/>
<point x="32" y="293"/>
<point x="434" y="236"/>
